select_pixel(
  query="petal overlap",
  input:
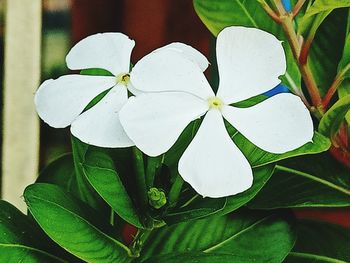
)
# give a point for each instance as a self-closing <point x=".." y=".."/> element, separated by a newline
<point x="169" y="71"/>
<point x="100" y="125"/>
<point x="109" y="51"/>
<point x="58" y="102"/>
<point x="154" y="121"/>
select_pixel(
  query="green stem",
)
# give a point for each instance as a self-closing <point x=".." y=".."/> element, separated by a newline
<point x="297" y="7"/>
<point x="139" y="241"/>
<point x="140" y="177"/>
<point x="175" y="190"/>
<point x="333" y="88"/>
<point x="153" y="164"/>
<point x="287" y="24"/>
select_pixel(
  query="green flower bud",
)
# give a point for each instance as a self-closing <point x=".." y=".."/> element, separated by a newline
<point x="156" y="198"/>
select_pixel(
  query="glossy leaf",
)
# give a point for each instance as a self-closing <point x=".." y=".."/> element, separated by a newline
<point x="258" y="157"/>
<point x="19" y="240"/>
<point x="82" y="234"/>
<point x="332" y="30"/>
<point x="99" y="169"/>
<point x="334" y="117"/>
<point x="320" y="242"/>
<point x="257" y="236"/>
<point x="196" y="258"/>
<point x="60" y="172"/>
<point x="312" y="181"/>
<point x="84" y="190"/>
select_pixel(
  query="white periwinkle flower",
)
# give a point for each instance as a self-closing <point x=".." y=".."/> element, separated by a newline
<point x="60" y="102"/>
<point x="176" y="92"/>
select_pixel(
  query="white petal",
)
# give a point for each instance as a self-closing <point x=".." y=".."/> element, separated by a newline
<point x="279" y="124"/>
<point x="110" y="51"/>
<point x="188" y="52"/>
<point x="168" y="70"/>
<point x="100" y="125"/>
<point x="58" y="102"/>
<point x="154" y="121"/>
<point x="212" y="164"/>
<point x="250" y="61"/>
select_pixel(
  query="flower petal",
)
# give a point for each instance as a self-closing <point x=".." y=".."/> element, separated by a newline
<point x="278" y="125"/>
<point x="58" y="102"/>
<point x="168" y="70"/>
<point x="188" y="52"/>
<point x="250" y="61"/>
<point x="110" y="51"/>
<point x="100" y="125"/>
<point x="154" y="121"/>
<point x="212" y="164"/>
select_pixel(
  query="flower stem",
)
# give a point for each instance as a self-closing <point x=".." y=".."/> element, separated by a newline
<point x="270" y="12"/>
<point x="139" y="241"/>
<point x="175" y="190"/>
<point x="310" y="83"/>
<point x="297" y="7"/>
<point x="333" y="88"/>
<point x="140" y="176"/>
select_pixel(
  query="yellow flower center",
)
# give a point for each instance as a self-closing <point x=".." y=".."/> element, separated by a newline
<point x="123" y="78"/>
<point x="215" y="103"/>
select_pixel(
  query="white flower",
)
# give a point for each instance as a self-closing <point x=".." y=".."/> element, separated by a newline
<point x="177" y="92"/>
<point x="60" y="102"/>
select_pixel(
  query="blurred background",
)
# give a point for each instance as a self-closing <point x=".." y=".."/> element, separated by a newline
<point x="51" y="28"/>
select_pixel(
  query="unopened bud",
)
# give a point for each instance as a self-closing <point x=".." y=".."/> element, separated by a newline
<point x="156" y="198"/>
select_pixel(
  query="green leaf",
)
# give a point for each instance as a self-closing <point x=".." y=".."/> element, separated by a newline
<point x="218" y="14"/>
<point x="320" y="242"/>
<point x="310" y="181"/>
<point x="344" y="64"/>
<point x="327" y="47"/>
<point x="250" y="236"/>
<point x="19" y="242"/>
<point x="320" y="6"/>
<point x="53" y="208"/>
<point x="334" y="117"/>
<point x="258" y="157"/>
<point x="100" y="170"/>
<point x="197" y="208"/>
<point x="196" y="258"/>
<point x="60" y="172"/>
<point x="317" y="13"/>
<point x="85" y="191"/>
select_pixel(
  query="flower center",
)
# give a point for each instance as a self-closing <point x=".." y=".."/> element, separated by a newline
<point x="215" y="103"/>
<point x="123" y="79"/>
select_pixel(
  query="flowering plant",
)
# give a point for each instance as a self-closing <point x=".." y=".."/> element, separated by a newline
<point x="166" y="168"/>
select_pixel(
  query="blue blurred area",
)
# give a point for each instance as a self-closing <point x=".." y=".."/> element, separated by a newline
<point x="276" y="90"/>
<point x="287" y="5"/>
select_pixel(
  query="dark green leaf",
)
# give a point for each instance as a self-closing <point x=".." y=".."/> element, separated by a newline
<point x="19" y="240"/>
<point x="199" y="257"/>
<point x="73" y="225"/>
<point x="320" y="242"/>
<point x="334" y="117"/>
<point x="310" y="181"/>
<point x="324" y="57"/>
<point x="198" y="208"/>
<point x="260" y="237"/>
<point x="85" y="191"/>
<point x="99" y="169"/>
<point x="60" y="172"/>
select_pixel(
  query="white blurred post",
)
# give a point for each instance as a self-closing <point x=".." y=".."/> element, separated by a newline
<point x="20" y="152"/>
